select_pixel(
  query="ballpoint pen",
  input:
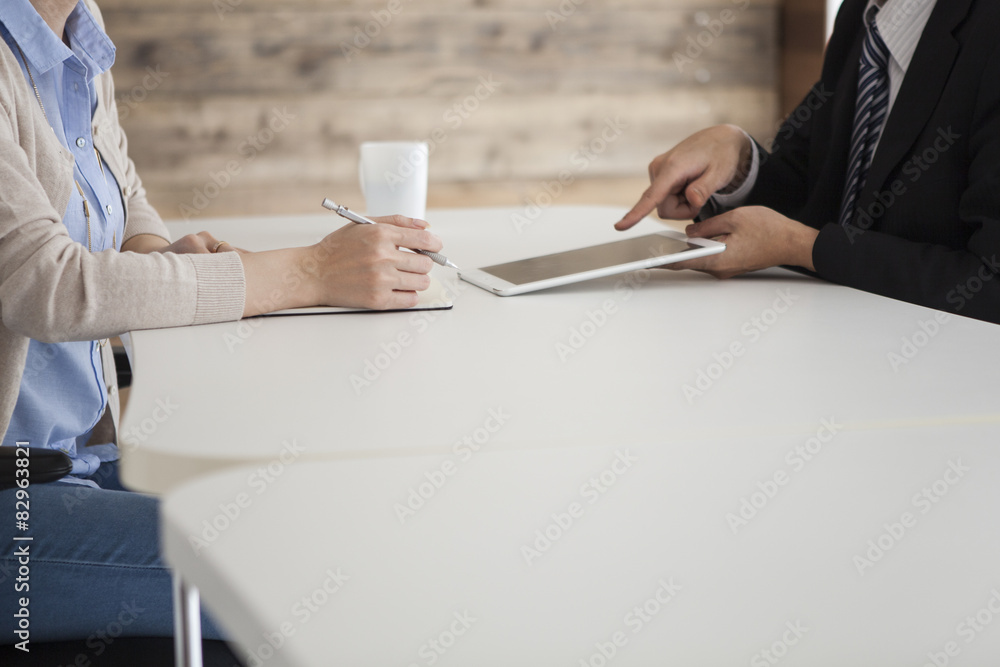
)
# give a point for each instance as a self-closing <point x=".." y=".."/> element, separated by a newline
<point x="345" y="212"/>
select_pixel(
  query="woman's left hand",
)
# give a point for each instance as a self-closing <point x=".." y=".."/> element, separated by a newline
<point x="200" y="243"/>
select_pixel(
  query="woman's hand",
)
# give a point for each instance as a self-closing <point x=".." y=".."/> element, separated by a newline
<point x="357" y="266"/>
<point x="202" y="242"/>
<point x="365" y="265"/>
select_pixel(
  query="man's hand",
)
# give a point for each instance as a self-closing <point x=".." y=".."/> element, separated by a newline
<point x="682" y="179"/>
<point x="755" y="238"/>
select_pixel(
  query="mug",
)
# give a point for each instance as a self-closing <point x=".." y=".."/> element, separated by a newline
<point x="393" y="177"/>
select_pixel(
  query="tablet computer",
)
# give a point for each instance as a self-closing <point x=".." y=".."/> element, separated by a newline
<point x="572" y="266"/>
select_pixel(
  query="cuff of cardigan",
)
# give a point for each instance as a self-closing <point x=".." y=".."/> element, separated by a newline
<point x="221" y="287"/>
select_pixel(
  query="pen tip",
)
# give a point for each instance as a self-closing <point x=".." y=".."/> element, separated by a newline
<point x="329" y="204"/>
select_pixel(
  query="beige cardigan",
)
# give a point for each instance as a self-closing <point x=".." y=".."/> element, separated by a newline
<point x="51" y="288"/>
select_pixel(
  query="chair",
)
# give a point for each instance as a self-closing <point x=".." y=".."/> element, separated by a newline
<point x="48" y="465"/>
<point x="43" y="465"/>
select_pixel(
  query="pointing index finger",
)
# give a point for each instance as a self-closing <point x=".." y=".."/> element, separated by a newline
<point x="672" y="179"/>
<point x="647" y="202"/>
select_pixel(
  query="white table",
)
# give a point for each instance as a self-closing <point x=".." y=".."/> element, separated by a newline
<point x="319" y="564"/>
<point x="209" y="397"/>
<point x="659" y="361"/>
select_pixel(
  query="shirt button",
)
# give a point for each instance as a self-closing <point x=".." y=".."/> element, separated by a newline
<point x="81" y="142"/>
<point x="109" y="209"/>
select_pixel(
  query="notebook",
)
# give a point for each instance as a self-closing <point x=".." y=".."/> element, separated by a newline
<point x="435" y="297"/>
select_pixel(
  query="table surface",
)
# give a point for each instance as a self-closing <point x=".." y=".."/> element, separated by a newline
<point x="880" y="549"/>
<point x="542" y="464"/>
<point x="650" y="357"/>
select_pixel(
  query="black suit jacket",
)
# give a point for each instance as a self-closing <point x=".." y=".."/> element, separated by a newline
<point x="927" y="226"/>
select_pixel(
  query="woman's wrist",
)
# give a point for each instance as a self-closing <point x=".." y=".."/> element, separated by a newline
<point x="280" y="279"/>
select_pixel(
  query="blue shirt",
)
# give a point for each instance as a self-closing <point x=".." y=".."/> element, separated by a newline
<point x="62" y="394"/>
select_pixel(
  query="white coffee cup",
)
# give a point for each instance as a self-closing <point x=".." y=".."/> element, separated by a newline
<point x="393" y="177"/>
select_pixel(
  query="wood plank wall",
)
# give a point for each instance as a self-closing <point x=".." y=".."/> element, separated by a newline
<point x="257" y="106"/>
<point x="803" y="40"/>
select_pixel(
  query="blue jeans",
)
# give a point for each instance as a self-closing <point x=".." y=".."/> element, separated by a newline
<point x="95" y="567"/>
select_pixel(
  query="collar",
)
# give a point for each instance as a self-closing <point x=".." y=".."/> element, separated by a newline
<point x="44" y="50"/>
<point x="901" y="23"/>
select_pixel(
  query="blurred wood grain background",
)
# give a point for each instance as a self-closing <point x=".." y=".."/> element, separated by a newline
<point x="255" y="106"/>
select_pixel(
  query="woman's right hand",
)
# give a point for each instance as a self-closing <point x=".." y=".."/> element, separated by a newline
<point x="366" y="265"/>
<point x="357" y="266"/>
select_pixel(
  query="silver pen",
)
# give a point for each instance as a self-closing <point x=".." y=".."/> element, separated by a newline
<point x="345" y="212"/>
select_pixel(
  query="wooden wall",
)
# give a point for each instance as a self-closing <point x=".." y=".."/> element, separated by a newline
<point x="802" y="38"/>
<point x="273" y="98"/>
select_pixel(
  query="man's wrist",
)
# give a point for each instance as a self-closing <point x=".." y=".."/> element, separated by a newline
<point x="803" y="240"/>
<point x="743" y="167"/>
<point x="732" y="197"/>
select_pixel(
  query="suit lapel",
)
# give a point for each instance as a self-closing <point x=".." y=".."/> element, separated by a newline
<point x="921" y="90"/>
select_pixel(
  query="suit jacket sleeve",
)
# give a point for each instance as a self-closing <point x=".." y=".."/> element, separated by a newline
<point x="801" y="182"/>
<point x="959" y="280"/>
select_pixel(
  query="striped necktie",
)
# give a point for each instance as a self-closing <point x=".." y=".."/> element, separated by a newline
<point x="869" y="116"/>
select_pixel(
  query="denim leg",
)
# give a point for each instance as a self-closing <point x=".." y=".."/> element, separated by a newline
<point x="95" y="567"/>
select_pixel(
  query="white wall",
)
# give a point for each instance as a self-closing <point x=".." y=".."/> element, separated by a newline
<point x="831" y="13"/>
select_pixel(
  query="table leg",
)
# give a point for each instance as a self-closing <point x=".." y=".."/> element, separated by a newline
<point x="187" y="624"/>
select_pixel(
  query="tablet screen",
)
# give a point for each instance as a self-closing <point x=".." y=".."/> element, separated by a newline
<point x="588" y="259"/>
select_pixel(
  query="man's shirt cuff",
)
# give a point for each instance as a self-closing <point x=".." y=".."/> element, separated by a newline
<point x="720" y="203"/>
